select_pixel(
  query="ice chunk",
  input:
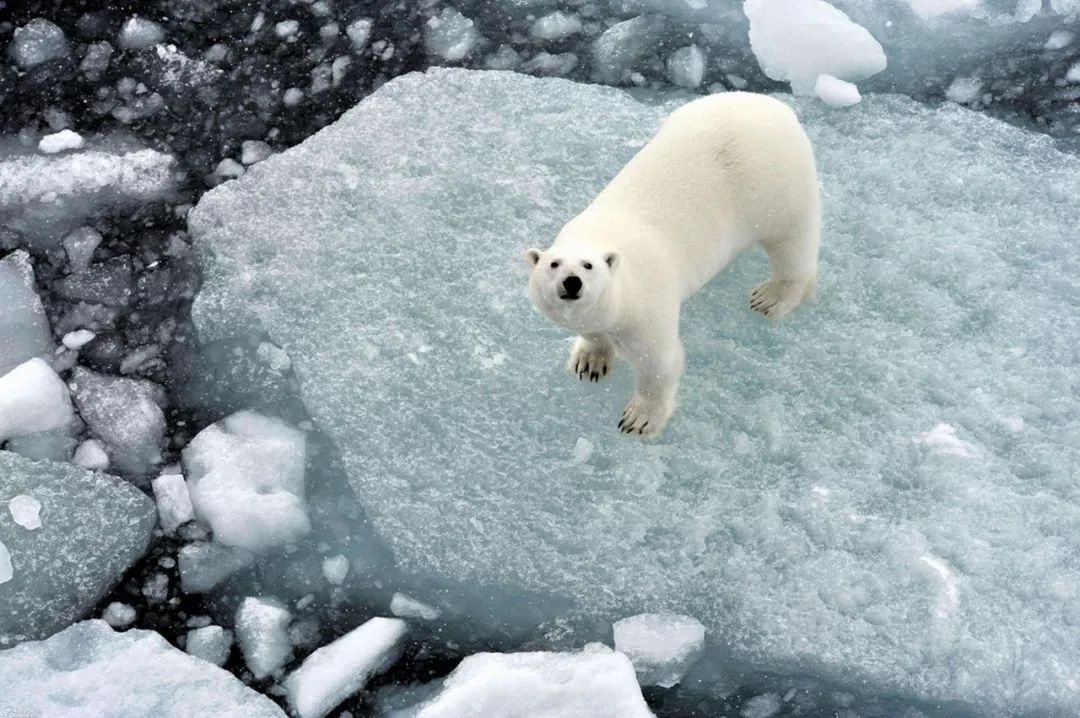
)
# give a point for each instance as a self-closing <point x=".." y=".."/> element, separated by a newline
<point x="262" y="631"/>
<point x="928" y="9"/>
<point x="477" y="489"/>
<point x="33" y="399"/>
<point x="334" y="569"/>
<point x="124" y="413"/>
<point x="662" y="646"/>
<point x="359" y="32"/>
<point x="229" y="167"/>
<point x="25" y="511"/>
<point x="91" y="455"/>
<point x="1058" y="39"/>
<point x="450" y="35"/>
<point x="555" y="26"/>
<point x="964" y="90"/>
<point x="287" y="28"/>
<point x="942" y="440"/>
<point x="95" y="527"/>
<point x="686" y="67"/>
<point x="583" y="449"/>
<point x="139" y="33"/>
<point x="7" y="571"/>
<point x="210" y="643"/>
<point x="246" y="476"/>
<point x="204" y="565"/>
<point x="835" y="92"/>
<point x="505" y="58"/>
<point x="36" y="42"/>
<point x="408" y="607"/>
<point x="60" y="141"/>
<point x="96" y="60"/>
<point x="593" y="683"/>
<point x="79" y="246"/>
<point x="339" y="669"/>
<point x="111" y="282"/>
<point x="765" y="705"/>
<point x="1073" y="75"/>
<point x="78" y="339"/>
<point x="798" y="40"/>
<point x="119" y="615"/>
<point x="253" y="151"/>
<point x="46" y="196"/>
<point x="173" y="501"/>
<point x="90" y="670"/>
<point x="548" y="65"/>
<point x="618" y="51"/>
<point x="24" y="329"/>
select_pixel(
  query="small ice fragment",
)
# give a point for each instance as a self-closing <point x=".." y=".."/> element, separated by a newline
<point x="1058" y="39"/>
<point x="60" y="141"/>
<point x="91" y="455"/>
<point x="662" y="646"/>
<point x="210" y="643"/>
<point x="334" y="569"/>
<point x="25" y="510"/>
<point x="686" y="67"/>
<point x="293" y="97"/>
<point x="229" y="167"/>
<point x="119" y="615"/>
<point x="262" y="626"/>
<point x="286" y="28"/>
<point x="359" y="32"/>
<point x="942" y="439"/>
<point x="173" y="501"/>
<point x="78" y="338"/>
<point x="6" y="571"/>
<point x="138" y="34"/>
<point x="964" y="90"/>
<point x="835" y="92"/>
<point x="407" y="607"/>
<point x="582" y="450"/>
<point x="555" y="26"/>
<point x="450" y="35"/>
<point x="252" y="151"/>
<point x="764" y="706"/>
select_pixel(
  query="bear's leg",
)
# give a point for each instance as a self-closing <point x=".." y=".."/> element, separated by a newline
<point x="794" y="273"/>
<point x="592" y="357"/>
<point x="656" y="383"/>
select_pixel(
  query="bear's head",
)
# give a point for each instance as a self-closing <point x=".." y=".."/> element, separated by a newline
<point x="571" y="285"/>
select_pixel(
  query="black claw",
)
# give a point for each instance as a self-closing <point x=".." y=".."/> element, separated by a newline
<point x="621" y="421"/>
<point x="605" y="370"/>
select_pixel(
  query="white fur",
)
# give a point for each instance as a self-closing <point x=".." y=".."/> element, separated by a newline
<point x="723" y="173"/>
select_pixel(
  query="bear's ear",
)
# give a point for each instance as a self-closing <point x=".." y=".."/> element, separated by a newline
<point x="532" y="256"/>
<point x="612" y="260"/>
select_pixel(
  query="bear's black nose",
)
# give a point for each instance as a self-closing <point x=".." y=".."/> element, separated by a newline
<point x="572" y="285"/>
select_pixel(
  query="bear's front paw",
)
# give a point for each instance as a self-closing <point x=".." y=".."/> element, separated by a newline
<point x="777" y="297"/>
<point x="646" y="416"/>
<point x="589" y="360"/>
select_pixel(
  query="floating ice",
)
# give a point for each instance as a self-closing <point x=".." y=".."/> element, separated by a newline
<point x="24" y="329"/>
<point x="623" y="45"/>
<point x="798" y="40"/>
<point x="173" y="501"/>
<point x="111" y="282"/>
<point x="1073" y="75"/>
<point x="662" y="646"/>
<point x="90" y="670"/>
<point x="79" y="246"/>
<point x="139" y="33"/>
<point x="246" y="477"/>
<point x="210" y="643"/>
<point x="942" y="439"/>
<point x="593" y="683"/>
<point x="96" y="60"/>
<point x="835" y="92"/>
<point x="78" y="338"/>
<point x="33" y="399"/>
<point x="339" y="669"/>
<point x="556" y="26"/>
<point x="36" y="42"/>
<point x="334" y="569"/>
<point x="450" y="35"/>
<point x="686" y="67"/>
<point x="927" y="9"/>
<point x="547" y="65"/>
<point x="7" y="571"/>
<point x="119" y="615"/>
<point x="91" y="455"/>
<point x="253" y="151"/>
<point x="948" y="239"/>
<point x="407" y="607"/>
<point x="1058" y="40"/>
<point x="125" y="414"/>
<point x="60" y="141"/>
<point x="964" y="90"/>
<point x="204" y="565"/>
<point x="287" y="28"/>
<point x="359" y="32"/>
<point x="583" y="449"/>
<point x="95" y="527"/>
<point x="262" y="632"/>
<point x="25" y="511"/>
<point x="765" y="705"/>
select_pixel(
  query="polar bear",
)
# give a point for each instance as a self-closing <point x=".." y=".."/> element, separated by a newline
<point x="723" y="172"/>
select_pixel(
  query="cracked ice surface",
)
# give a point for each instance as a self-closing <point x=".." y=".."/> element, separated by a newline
<point x="801" y="505"/>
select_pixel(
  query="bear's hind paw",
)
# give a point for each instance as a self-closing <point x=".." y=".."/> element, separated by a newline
<point x="645" y="417"/>
<point x="776" y="298"/>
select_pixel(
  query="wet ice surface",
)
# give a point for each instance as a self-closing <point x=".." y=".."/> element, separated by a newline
<point x="791" y="507"/>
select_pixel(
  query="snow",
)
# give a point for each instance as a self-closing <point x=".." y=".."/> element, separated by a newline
<point x="334" y="569"/>
<point x="94" y="527"/>
<point x="205" y="565"/>
<point x="686" y="67"/>
<point x="60" y="141"/>
<point x="450" y="35"/>
<point x="25" y="511"/>
<point x="78" y="338"/>
<point x="46" y="196"/>
<point x="90" y="670"/>
<point x="139" y="33"/>
<point x="359" y="33"/>
<point x="339" y="669"/>
<point x="407" y="607"/>
<point x="119" y="615"/>
<point x="556" y="26"/>
<point x="91" y="455"/>
<point x="173" y="501"/>
<point x="835" y="92"/>
<point x="24" y="329"/>
<point x="949" y="238"/>
<point x="593" y="683"/>
<point x="964" y="90"/>
<point x="33" y="399"/>
<point x="798" y="40"/>
<point x="661" y="646"/>
<point x="262" y="631"/>
<point x="125" y="414"/>
<point x="623" y="45"/>
<point x="37" y="42"/>
<point x="246" y="477"/>
<point x="209" y="643"/>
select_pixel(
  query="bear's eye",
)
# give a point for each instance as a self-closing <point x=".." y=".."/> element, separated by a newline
<point x="554" y="265"/>
<point x="587" y="265"/>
